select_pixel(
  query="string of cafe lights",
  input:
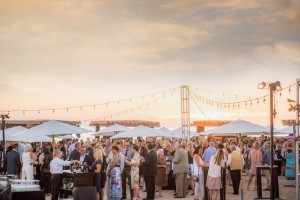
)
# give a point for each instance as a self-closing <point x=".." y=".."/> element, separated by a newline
<point x="94" y="106"/>
<point x="219" y="92"/>
<point x="198" y="107"/>
<point x="236" y="104"/>
<point x="237" y="95"/>
<point x="124" y="112"/>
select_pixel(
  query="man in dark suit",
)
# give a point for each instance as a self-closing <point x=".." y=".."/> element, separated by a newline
<point x="84" y="157"/>
<point x="75" y="154"/>
<point x="150" y="171"/>
<point x="13" y="161"/>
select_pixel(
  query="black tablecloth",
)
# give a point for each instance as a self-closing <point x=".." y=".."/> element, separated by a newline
<point x="32" y="195"/>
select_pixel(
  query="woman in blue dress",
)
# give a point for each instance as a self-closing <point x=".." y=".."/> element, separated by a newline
<point x="114" y="174"/>
<point x="96" y="167"/>
<point x="290" y="163"/>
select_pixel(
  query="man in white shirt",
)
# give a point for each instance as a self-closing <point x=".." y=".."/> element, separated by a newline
<point x="56" y="169"/>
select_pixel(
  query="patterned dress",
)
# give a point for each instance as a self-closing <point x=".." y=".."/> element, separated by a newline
<point x="290" y="163"/>
<point x="135" y="172"/>
<point x="115" y="181"/>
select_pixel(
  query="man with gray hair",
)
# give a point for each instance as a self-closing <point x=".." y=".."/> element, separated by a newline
<point x="181" y="169"/>
<point x="266" y="161"/>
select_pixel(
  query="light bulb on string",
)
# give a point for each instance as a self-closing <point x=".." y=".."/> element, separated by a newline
<point x="94" y="106"/>
<point x="290" y="90"/>
<point x="24" y="112"/>
<point x="53" y="111"/>
<point x="39" y="111"/>
<point x="67" y="109"/>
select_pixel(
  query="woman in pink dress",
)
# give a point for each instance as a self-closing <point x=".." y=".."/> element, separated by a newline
<point x="255" y="157"/>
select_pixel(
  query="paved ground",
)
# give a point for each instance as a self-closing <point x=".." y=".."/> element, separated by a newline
<point x="287" y="193"/>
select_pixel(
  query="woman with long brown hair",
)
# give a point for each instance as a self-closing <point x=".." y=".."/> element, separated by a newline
<point x="198" y="172"/>
<point x="213" y="182"/>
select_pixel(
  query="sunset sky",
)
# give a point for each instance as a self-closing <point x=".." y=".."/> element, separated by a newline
<point x="67" y="53"/>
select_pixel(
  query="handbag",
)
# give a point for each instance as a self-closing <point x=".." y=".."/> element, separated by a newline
<point x="196" y="178"/>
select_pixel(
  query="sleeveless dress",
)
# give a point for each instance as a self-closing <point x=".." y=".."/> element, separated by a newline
<point x="198" y="171"/>
<point x="135" y="172"/>
<point x="290" y="162"/>
<point x="27" y="169"/>
<point x="255" y="157"/>
<point x="115" y="181"/>
<point x="97" y="177"/>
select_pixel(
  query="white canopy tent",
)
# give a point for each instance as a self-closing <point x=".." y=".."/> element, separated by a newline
<point x="178" y="133"/>
<point x="237" y="127"/>
<point x="288" y="130"/>
<point x="139" y="131"/>
<point x="52" y="128"/>
<point x="67" y="137"/>
<point x="11" y="131"/>
<point x="167" y="132"/>
<point x="29" y="138"/>
<point x="112" y="130"/>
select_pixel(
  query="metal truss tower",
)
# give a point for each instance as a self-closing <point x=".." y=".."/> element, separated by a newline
<point x="185" y="111"/>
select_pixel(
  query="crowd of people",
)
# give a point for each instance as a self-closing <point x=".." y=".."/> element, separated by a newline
<point x="146" y="165"/>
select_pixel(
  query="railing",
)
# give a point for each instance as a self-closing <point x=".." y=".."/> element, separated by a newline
<point x="258" y="181"/>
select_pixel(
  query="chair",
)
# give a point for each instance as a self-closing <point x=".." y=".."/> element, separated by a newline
<point x="83" y="193"/>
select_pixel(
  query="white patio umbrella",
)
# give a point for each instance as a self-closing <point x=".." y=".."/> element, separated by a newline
<point x="288" y="130"/>
<point x="11" y="131"/>
<point x="29" y="138"/>
<point x="67" y="137"/>
<point x="178" y="133"/>
<point x="139" y="131"/>
<point x="238" y="127"/>
<point x="53" y="128"/>
<point x="112" y="130"/>
<point x="167" y="132"/>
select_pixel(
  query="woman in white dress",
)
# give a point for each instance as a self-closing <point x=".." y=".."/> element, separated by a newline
<point x="198" y="172"/>
<point x="28" y="159"/>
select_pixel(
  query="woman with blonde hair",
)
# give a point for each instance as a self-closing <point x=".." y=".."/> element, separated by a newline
<point x="161" y="176"/>
<point x="96" y="167"/>
<point x="255" y="156"/>
<point x="28" y="158"/>
<point x="213" y="182"/>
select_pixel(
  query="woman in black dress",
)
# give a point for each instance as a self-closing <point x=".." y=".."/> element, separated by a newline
<point x="96" y="167"/>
